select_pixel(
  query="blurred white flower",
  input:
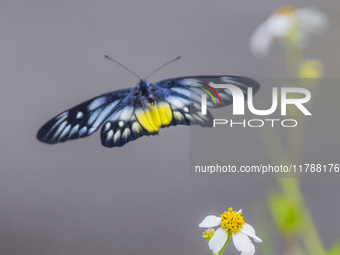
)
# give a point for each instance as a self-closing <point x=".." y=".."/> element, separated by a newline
<point x="295" y="25"/>
<point x="232" y="225"/>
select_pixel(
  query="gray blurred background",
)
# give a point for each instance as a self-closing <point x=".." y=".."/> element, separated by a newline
<point x="82" y="198"/>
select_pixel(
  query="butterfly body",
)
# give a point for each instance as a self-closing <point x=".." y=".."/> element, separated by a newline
<point x="127" y="114"/>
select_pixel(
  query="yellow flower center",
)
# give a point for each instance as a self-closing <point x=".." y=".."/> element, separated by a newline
<point x="288" y="10"/>
<point x="232" y="221"/>
<point x="310" y="69"/>
<point x="208" y="234"/>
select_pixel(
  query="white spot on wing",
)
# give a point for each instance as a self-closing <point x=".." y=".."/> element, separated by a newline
<point x="224" y="96"/>
<point x="195" y="97"/>
<point x="107" y="126"/>
<point x="126" y="133"/>
<point x="104" y="114"/>
<point x="116" y="136"/>
<point x="182" y="91"/>
<point x="198" y="118"/>
<point x="178" y="115"/>
<point x="227" y="91"/>
<point x="189" y="81"/>
<point x="121" y="123"/>
<point x="136" y="127"/>
<point x="91" y="130"/>
<point x="60" y="128"/>
<point x="61" y="118"/>
<point x="225" y="79"/>
<point x="197" y="106"/>
<point x="186" y="81"/>
<point x="74" y="130"/>
<point x="82" y="131"/>
<point x="65" y="131"/>
<point x="194" y="81"/>
<point x="124" y="114"/>
<point x="229" y="80"/>
<point x="64" y="114"/>
<point x="176" y="102"/>
<point x="96" y="103"/>
<point x="93" y="116"/>
<point x="210" y="103"/>
<point x="186" y="109"/>
<point x="79" y="115"/>
<point x="109" y="135"/>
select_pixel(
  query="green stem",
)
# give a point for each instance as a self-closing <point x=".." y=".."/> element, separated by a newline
<point x="273" y="145"/>
<point x="296" y="136"/>
<point x="291" y="186"/>
<point x="293" y="56"/>
<point x="310" y="236"/>
<point x="225" y="245"/>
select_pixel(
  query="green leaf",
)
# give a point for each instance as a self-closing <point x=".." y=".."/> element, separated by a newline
<point x="335" y="250"/>
<point x="286" y="213"/>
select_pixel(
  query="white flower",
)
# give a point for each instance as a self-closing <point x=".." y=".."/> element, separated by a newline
<point x="232" y="225"/>
<point x="296" y="25"/>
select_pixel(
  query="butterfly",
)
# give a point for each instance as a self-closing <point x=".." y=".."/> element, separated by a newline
<point x="127" y="114"/>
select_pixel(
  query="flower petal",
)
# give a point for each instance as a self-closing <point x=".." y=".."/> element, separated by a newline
<point x="261" y="41"/>
<point x="210" y="221"/>
<point x="243" y="244"/>
<point x="218" y="240"/>
<point x="313" y="20"/>
<point x="250" y="231"/>
<point x="278" y="25"/>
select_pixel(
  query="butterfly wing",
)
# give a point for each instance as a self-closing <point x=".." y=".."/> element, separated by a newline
<point x="125" y="116"/>
<point x="123" y="126"/>
<point x="83" y="119"/>
<point x="184" y="96"/>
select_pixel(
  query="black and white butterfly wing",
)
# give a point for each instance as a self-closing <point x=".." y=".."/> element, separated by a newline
<point x="184" y="95"/>
<point x="126" y="115"/>
<point x="83" y="119"/>
<point x="123" y="126"/>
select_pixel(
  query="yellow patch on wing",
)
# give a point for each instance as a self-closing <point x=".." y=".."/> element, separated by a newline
<point x="155" y="116"/>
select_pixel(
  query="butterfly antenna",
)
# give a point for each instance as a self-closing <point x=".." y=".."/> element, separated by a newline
<point x="128" y="69"/>
<point x="163" y="66"/>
